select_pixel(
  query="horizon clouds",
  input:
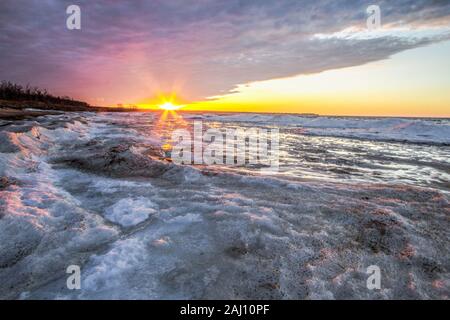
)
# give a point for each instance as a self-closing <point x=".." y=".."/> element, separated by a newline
<point x="129" y="51"/>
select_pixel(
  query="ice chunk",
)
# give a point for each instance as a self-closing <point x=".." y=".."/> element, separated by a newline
<point x="129" y="212"/>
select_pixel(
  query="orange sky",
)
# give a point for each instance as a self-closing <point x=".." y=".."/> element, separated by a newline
<point x="286" y="56"/>
<point x="411" y="83"/>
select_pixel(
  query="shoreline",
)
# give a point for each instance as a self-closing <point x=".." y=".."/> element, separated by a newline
<point x="100" y="201"/>
<point x="22" y="110"/>
<point x="15" y="114"/>
<point x="18" y="110"/>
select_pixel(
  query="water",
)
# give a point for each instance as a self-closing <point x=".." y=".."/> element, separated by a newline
<point x="95" y="190"/>
<point x="307" y="154"/>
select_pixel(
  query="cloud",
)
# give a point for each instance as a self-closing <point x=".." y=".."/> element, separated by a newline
<point x="127" y="50"/>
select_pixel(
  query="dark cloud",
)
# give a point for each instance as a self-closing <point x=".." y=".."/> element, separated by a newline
<point x="128" y="49"/>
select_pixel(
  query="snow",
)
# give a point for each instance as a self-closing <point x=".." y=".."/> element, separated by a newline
<point x="69" y="195"/>
<point x="394" y="129"/>
<point x="129" y="212"/>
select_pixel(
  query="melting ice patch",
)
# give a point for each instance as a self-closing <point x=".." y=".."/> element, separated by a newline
<point x="129" y="212"/>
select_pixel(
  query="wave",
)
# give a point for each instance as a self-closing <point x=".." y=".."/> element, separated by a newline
<point x="431" y="131"/>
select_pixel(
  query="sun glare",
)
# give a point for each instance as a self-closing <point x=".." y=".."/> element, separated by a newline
<point x="169" y="106"/>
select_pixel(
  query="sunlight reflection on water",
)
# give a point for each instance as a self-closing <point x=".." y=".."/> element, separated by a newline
<point x="326" y="157"/>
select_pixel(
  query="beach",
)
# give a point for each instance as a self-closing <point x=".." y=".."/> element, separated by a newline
<point x="96" y="190"/>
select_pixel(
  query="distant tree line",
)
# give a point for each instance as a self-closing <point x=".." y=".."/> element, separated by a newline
<point x="12" y="91"/>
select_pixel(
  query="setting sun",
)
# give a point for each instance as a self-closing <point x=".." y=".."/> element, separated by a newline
<point x="169" y="106"/>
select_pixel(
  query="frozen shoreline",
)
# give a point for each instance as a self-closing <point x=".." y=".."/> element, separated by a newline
<point x="170" y="232"/>
<point x="412" y="130"/>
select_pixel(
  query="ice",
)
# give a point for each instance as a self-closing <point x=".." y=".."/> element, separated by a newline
<point x="42" y="228"/>
<point x="394" y="129"/>
<point x="72" y="191"/>
<point x="105" y="185"/>
<point x="312" y="241"/>
<point x="129" y="212"/>
<point x="9" y="142"/>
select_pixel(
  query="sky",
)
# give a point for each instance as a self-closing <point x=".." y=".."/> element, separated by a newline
<point x="290" y="56"/>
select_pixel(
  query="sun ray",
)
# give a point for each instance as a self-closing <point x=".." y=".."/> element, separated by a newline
<point x="169" y="106"/>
